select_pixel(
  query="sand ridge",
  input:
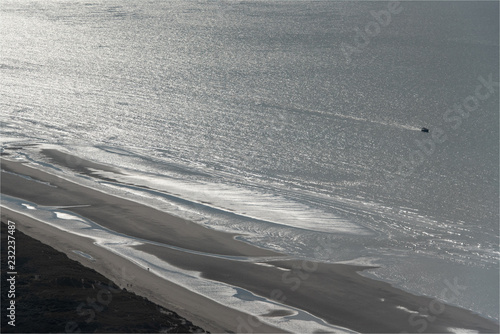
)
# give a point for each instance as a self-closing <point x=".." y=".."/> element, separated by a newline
<point x="334" y="292"/>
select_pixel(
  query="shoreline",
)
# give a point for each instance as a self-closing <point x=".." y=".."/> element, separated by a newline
<point x="201" y="311"/>
<point x="334" y="292"/>
<point x="50" y="300"/>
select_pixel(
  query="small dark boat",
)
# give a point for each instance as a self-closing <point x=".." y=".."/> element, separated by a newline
<point x="425" y="130"/>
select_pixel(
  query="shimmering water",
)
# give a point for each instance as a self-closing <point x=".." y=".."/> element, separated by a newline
<point x="258" y="117"/>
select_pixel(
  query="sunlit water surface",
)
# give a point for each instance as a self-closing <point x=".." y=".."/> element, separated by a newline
<point x="248" y="117"/>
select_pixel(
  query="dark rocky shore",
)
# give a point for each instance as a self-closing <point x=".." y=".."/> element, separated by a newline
<point x="54" y="294"/>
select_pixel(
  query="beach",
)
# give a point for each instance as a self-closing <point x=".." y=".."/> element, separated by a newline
<point x="335" y="293"/>
<point x="55" y="294"/>
<point x="260" y="166"/>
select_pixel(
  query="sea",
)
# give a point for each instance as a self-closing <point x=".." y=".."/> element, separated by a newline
<point x="295" y="124"/>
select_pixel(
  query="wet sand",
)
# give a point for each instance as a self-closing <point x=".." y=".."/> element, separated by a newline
<point x="201" y="311"/>
<point x="334" y="292"/>
<point x="121" y="215"/>
<point x="51" y="300"/>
